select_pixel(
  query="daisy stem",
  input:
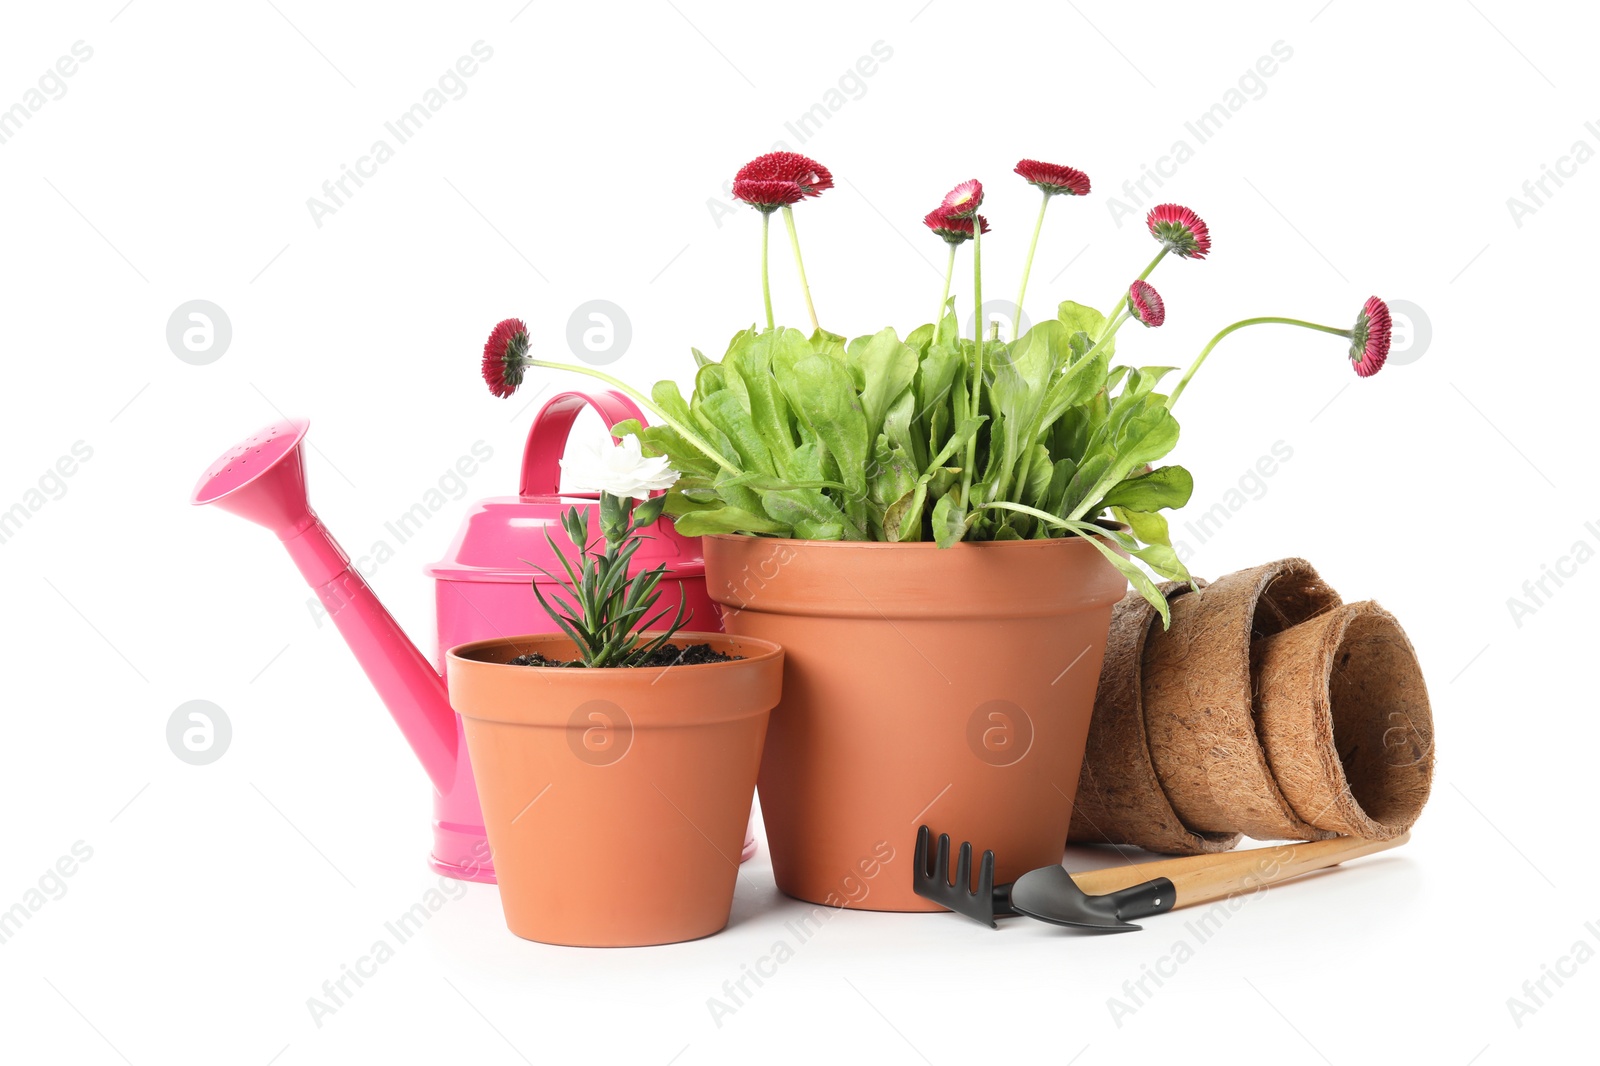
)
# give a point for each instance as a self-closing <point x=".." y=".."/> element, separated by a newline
<point x="805" y="286"/>
<point x="977" y="367"/>
<point x="766" y="285"/>
<point x="1027" y="268"/>
<point x="1123" y="302"/>
<point x="648" y="404"/>
<point x="949" y="270"/>
<point x="1201" y="358"/>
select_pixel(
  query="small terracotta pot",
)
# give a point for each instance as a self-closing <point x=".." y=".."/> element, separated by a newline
<point x="615" y="800"/>
<point x="948" y="687"/>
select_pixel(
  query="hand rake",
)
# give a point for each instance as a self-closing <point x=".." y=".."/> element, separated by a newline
<point x="1107" y="899"/>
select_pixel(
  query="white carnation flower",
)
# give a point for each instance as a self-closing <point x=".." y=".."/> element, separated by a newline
<point x="621" y="470"/>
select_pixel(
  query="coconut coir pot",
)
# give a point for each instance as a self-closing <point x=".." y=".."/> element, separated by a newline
<point x="1268" y="708"/>
<point x="1197" y="699"/>
<point x="1120" y="798"/>
<point x="615" y="799"/>
<point x="1345" y="720"/>
<point x="951" y="687"/>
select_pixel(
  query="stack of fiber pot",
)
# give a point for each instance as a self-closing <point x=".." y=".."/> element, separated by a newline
<point x="1270" y="708"/>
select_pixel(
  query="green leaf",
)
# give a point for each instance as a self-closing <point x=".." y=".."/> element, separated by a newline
<point x="727" y="520"/>
<point x="894" y="476"/>
<point x="1036" y="476"/>
<point x="902" y="522"/>
<point x="1137" y="577"/>
<point x="937" y="388"/>
<point x="1164" y="561"/>
<point x="748" y="374"/>
<point x="820" y="390"/>
<point x="955" y="444"/>
<point x="1088" y="475"/>
<point x="825" y="343"/>
<point x="1147" y="436"/>
<point x="1150" y="377"/>
<point x="664" y="440"/>
<point x="887" y="370"/>
<point x="1164" y="487"/>
<point x="1074" y="385"/>
<point x="1076" y="317"/>
<point x="669" y="399"/>
<point x="708" y="379"/>
<point x="810" y="512"/>
<point x="725" y="411"/>
<point x="949" y="519"/>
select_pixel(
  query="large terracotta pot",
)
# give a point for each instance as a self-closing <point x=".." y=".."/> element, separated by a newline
<point x="615" y="800"/>
<point x="951" y="687"/>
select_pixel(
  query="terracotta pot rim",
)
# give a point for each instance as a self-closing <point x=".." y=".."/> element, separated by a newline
<point x="918" y="545"/>
<point x="718" y="641"/>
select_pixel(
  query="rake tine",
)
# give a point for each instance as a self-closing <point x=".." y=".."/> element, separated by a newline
<point x="986" y="887"/>
<point x="920" y="863"/>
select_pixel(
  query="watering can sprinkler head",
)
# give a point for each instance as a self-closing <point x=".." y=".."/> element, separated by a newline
<point x="262" y="478"/>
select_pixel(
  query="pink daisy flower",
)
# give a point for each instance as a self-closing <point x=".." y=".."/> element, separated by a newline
<point x="1369" y="340"/>
<point x="964" y="200"/>
<point x="953" y="229"/>
<point x="1054" y="178"/>
<point x="811" y="176"/>
<point x="1180" y="229"/>
<point x="503" y="355"/>
<point x="766" y="195"/>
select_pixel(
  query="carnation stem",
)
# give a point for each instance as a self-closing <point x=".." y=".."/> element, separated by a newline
<point x="766" y="285"/>
<point x="648" y="404"/>
<point x="1123" y="302"/>
<point x="805" y="286"/>
<point x="1201" y="358"/>
<point x="944" y="298"/>
<point x="1027" y="268"/>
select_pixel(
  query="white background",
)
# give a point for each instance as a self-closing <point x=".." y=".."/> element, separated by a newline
<point x="579" y="165"/>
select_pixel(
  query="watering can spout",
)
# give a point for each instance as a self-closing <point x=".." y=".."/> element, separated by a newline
<point x="263" y="479"/>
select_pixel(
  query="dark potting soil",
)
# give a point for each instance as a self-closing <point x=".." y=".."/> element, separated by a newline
<point x="666" y="655"/>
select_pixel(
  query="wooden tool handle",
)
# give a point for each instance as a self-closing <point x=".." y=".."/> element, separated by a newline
<point x="1203" y="878"/>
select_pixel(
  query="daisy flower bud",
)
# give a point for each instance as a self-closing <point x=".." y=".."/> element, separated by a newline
<point x="1145" y="304"/>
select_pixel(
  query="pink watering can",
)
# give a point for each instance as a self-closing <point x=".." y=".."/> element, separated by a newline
<point x="482" y="591"/>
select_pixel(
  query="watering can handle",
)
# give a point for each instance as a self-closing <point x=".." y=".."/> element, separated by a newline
<point x="547" y="440"/>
